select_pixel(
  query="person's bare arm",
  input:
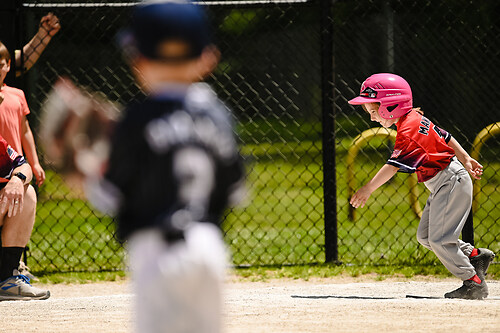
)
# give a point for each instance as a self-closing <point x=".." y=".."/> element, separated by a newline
<point x="49" y="26"/>
<point x="12" y="195"/>
<point x="29" y="148"/>
<point x="383" y="175"/>
<point x="471" y="165"/>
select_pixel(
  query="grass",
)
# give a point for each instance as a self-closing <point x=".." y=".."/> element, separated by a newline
<point x="307" y="272"/>
<point x="81" y="277"/>
<point x="282" y="220"/>
<point x="302" y="272"/>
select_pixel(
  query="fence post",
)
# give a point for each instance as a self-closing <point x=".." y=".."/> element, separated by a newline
<point x="328" y="127"/>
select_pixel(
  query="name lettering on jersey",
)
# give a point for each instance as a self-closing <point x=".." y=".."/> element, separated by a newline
<point x="182" y="128"/>
<point x="424" y="129"/>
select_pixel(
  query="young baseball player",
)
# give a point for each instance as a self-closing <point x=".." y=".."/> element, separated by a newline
<point x="174" y="167"/>
<point x="441" y="164"/>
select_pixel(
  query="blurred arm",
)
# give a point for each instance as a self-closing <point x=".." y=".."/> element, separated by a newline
<point x="49" y="26"/>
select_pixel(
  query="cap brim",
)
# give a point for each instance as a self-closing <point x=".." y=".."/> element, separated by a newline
<point x="362" y="100"/>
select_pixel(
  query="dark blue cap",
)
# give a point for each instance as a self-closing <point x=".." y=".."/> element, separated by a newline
<point x="156" y="22"/>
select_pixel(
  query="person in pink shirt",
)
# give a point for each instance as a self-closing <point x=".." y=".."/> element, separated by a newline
<point x="14" y="126"/>
<point x="15" y="129"/>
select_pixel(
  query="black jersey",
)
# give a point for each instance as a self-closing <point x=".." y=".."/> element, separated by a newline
<point x="173" y="160"/>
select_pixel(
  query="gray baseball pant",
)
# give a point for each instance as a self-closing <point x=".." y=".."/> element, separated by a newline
<point x="444" y="216"/>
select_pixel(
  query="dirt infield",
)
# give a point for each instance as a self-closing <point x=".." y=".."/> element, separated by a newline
<point x="319" y="305"/>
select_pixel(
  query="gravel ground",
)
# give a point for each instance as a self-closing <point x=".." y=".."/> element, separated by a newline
<point x="317" y="305"/>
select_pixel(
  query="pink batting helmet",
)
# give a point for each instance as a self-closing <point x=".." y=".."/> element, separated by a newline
<point x="390" y="90"/>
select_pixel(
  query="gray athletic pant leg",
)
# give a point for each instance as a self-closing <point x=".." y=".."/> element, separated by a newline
<point x="444" y="216"/>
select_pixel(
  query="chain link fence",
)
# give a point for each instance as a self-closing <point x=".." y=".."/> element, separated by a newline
<point x="287" y="71"/>
<point x="448" y="52"/>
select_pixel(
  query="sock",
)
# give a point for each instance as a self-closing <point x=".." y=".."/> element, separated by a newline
<point x="474" y="253"/>
<point x="476" y="279"/>
<point x="9" y="261"/>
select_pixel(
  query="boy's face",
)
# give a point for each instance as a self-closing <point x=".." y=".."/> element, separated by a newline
<point x="372" y="109"/>
<point x="4" y="69"/>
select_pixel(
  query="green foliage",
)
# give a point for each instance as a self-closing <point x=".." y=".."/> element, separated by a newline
<point x="69" y="235"/>
<point x="303" y="272"/>
<point x="282" y="219"/>
<point x="81" y="277"/>
<point x="380" y="272"/>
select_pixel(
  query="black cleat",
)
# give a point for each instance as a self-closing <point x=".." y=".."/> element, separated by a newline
<point x="482" y="261"/>
<point x="469" y="290"/>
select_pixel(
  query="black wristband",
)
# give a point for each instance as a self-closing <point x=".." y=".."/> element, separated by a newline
<point x="21" y="176"/>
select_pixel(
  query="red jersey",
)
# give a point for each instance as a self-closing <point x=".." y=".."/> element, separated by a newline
<point x="9" y="160"/>
<point x="420" y="147"/>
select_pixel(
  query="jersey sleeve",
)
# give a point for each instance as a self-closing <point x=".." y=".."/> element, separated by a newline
<point x="122" y="159"/>
<point x="407" y="155"/>
<point x="421" y="147"/>
<point x="9" y="159"/>
<point x="106" y="193"/>
<point x="442" y="133"/>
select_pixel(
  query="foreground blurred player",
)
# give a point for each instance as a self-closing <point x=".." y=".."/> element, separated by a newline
<point x="173" y="168"/>
<point x="442" y="165"/>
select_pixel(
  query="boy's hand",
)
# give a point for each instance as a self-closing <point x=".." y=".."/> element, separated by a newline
<point x="360" y="197"/>
<point x="383" y="175"/>
<point x="471" y="165"/>
<point x="474" y="168"/>
<point x="39" y="174"/>
<point x="12" y="197"/>
<point x="50" y="24"/>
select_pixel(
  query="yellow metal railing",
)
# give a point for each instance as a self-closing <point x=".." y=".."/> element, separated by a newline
<point x="358" y="143"/>
<point x="487" y="132"/>
<point x="386" y="133"/>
